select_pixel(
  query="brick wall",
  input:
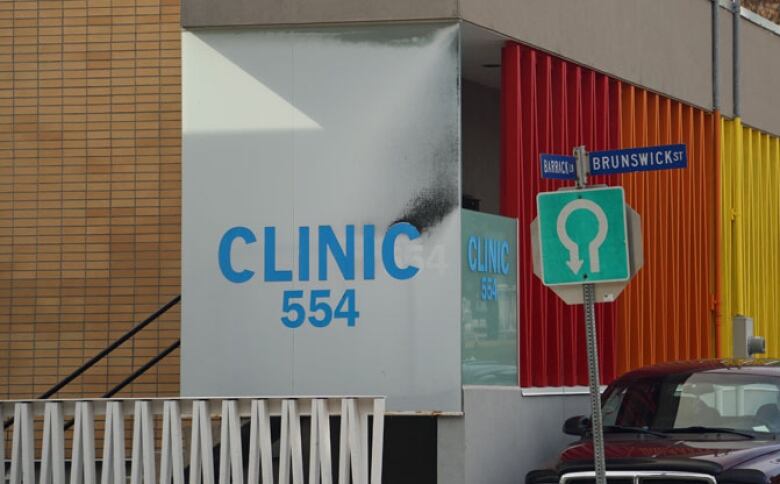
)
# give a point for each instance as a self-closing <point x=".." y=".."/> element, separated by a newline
<point x="90" y="195"/>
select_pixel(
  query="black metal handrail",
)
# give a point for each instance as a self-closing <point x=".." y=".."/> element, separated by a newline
<point x="107" y="350"/>
<point x="143" y="369"/>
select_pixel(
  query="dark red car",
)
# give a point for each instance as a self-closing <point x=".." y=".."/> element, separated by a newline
<point x="704" y="422"/>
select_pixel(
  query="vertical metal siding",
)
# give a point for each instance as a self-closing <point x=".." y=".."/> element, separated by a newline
<point x="666" y="313"/>
<point x="750" y="190"/>
<point x="551" y="105"/>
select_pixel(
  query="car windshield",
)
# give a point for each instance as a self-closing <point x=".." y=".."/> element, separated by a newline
<point x="696" y="402"/>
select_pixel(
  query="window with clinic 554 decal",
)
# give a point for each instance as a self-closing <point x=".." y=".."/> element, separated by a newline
<point x="321" y="193"/>
<point x="316" y="246"/>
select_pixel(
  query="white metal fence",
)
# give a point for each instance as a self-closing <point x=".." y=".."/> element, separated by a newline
<point x="38" y="447"/>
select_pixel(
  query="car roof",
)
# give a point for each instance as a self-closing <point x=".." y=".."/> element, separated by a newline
<point x="757" y="366"/>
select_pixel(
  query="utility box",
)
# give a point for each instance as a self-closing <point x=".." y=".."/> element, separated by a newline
<point x="745" y="343"/>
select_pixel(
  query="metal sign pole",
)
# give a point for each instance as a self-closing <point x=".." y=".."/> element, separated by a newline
<point x="589" y="300"/>
<point x="589" y="296"/>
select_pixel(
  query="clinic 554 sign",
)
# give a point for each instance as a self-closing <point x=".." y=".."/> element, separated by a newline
<point x="489" y="257"/>
<point x="319" y="307"/>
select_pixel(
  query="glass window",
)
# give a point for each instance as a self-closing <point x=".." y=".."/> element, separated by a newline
<point x="489" y="299"/>
<point x="633" y="405"/>
<point x="736" y="401"/>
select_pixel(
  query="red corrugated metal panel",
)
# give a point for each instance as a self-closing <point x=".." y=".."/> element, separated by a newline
<point x="550" y="106"/>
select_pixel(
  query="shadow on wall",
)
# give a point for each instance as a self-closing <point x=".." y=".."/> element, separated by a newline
<point x="314" y="89"/>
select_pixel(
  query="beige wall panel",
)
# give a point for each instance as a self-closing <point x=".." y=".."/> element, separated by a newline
<point x="90" y="194"/>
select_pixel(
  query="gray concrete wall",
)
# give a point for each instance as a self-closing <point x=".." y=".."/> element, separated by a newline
<point x="760" y="78"/>
<point x="726" y="98"/>
<point x="663" y="45"/>
<point x="211" y="13"/>
<point x="503" y="435"/>
<point x="481" y="135"/>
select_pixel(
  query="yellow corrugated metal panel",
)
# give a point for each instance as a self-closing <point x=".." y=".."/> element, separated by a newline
<point x="750" y="190"/>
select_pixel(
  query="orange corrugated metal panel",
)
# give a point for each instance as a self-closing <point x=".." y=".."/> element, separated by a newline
<point x="666" y="313"/>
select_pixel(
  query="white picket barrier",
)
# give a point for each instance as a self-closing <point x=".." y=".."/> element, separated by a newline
<point x="360" y="457"/>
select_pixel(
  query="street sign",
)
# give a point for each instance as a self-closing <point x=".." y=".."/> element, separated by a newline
<point x="560" y="167"/>
<point x="638" y="159"/>
<point x="605" y="291"/>
<point x="588" y="239"/>
<point x="583" y="237"/>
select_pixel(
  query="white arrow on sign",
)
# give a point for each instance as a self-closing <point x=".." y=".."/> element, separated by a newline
<point x="574" y="262"/>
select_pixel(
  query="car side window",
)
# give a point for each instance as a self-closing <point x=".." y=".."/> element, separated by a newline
<point x="679" y="401"/>
<point x="633" y="405"/>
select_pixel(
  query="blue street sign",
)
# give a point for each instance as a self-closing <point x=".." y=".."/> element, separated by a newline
<point x="638" y="159"/>
<point x="560" y="167"/>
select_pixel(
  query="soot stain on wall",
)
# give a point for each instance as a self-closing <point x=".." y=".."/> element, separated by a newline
<point x="429" y="207"/>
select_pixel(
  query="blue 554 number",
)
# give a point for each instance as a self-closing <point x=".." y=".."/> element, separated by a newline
<point x="320" y="312"/>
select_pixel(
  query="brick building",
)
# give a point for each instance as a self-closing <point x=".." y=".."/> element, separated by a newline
<point x="89" y="191"/>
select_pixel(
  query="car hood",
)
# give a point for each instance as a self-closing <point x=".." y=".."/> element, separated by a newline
<point x="631" y="452"/>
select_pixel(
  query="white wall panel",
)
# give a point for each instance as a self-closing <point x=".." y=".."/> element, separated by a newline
<point x="339" y="127"/>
